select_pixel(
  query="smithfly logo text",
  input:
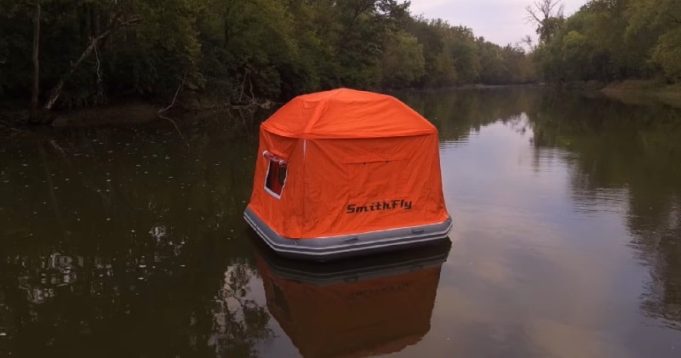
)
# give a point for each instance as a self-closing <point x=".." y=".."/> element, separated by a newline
<point x="378" y="206"/>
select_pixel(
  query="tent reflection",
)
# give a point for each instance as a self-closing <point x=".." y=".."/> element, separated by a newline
<point x="365" y="307"/>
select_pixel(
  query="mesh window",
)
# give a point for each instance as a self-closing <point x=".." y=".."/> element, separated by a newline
<point x="276" y="175"/>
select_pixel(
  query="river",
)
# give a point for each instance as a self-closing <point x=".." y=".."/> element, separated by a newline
<point x="129" y="241"/>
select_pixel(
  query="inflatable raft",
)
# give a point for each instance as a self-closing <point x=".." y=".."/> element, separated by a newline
<point x="346" y="173"/>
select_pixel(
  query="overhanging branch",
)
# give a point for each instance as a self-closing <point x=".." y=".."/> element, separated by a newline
<point x="94" y="41"/>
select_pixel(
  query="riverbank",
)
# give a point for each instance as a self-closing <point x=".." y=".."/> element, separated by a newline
<point x="131" y="112"/>
<point x="644" y="92"/>
<point x="136" y="112"/>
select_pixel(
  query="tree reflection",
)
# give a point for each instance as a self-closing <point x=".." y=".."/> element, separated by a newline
<point x="610" y="146"/>
<point x="459" y="113"/>
<point x="239" y="321"/>
<point x="632" y="148"/>
<point x="137" y="257"/>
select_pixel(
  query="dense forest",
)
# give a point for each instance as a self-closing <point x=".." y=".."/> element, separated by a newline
<point x="609" y="40"/>
<point x="82" y="53"/>
<point x="79" y="53"/>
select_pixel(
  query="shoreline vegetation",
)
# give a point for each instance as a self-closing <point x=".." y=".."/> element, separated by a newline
<point x="79" y="63"/>
<point x="629" y="48"/>
<point x="59" y="55"/>
<point x="135" y="112"/>
<point x="644" y="92"/>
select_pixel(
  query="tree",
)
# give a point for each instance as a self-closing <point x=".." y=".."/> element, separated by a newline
<point x="232" y="52"/>
<point x="610" y="40"/>
<point x="403" y="62"/>
<point x="464" y="51"/>
<point x="547" y="15"/>
<point x="35" y="91"/>
<point x="667" y="54"/>
<point x="117" y="21"/>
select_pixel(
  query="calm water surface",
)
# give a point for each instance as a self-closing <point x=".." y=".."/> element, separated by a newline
<point x="567" y="242"/>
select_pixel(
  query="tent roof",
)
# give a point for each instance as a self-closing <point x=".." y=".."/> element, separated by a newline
<point x="347" y="113"/>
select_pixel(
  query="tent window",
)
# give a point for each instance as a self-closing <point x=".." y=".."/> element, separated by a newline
<point x="276" y="174"/>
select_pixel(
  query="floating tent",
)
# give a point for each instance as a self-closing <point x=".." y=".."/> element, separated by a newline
<point x="345" y="172"/>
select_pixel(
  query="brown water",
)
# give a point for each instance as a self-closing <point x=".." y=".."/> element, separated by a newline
<point x="567" y="242"/>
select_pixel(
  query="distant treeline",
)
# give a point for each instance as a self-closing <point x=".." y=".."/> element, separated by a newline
<point x="76" y="53"/>
<point x="609" y="40"/>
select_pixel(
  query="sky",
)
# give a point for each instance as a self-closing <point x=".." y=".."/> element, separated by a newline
<point x="499" y="21"/>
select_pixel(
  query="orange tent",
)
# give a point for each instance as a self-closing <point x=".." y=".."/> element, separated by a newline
<point x="345" y="172"/>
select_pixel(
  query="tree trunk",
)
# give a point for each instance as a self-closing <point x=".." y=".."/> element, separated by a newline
<point x="36" y="60"/>
<point x="56" y="91"/>
<point x="94" y="42"/>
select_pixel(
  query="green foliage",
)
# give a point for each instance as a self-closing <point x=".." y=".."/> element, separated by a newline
<point x="614" y="40"/>
<point x="403" y="62"/>
<point x="667" y="54"/>
<point x="504" y="65"/>
<point x="240" y="50"/>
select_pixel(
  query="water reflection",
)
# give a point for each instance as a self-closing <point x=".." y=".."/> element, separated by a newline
<point x="567" y="242"/>
<point x="157" y="305"/>
<point x="632" y="148"/>
<point x="360" y="308"/>
<point x="610" y="147"/>
<point x="119" y="242"/>
<point x="565" y="203"/>
<point x="459" y="114"/>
